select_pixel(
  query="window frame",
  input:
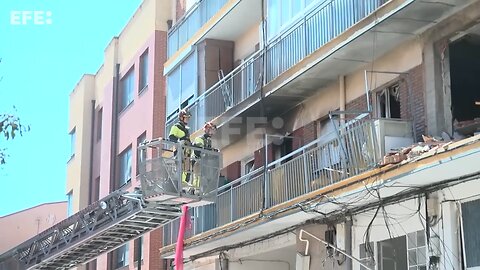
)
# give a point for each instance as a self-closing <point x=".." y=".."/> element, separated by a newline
<point x="416" y="248"/>
<point x="143" y="71"/>
<point x="126" y="100"/>
<point x="138" y="247"/>
<point x="70" y="203"/>
<point x="73" y="141"/>
<point x="171" y="110"/>
<point x="99" y="124"/>
<point x="122" y="172"/>
<point x="245" y="163"/>
<point x="387" y="92"/>
<point x="140" y="139"/>
<point x="122" y="252"/>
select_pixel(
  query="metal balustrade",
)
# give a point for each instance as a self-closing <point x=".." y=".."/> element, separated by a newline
<point x="191" y="22"/>
<point x="242" y="82"/>
<point x="307" y="35"/>
<point x="169" y="171"/>
<point x="316" y="165"/>
<point x="314" y="30"/>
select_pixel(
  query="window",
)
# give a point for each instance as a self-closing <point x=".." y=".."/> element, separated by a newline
<point x="140" y="139"/>
<point x="138" y="249"/>
<point x="99" y="124"/>
<point x="182" y="84"/>
<point x="471" y="234"/>
<point x="392" y="254"/>
<point x="126" y="88"/>
<point x="249" y="166"/>
<point x="73" y="138"/>
<point x="143" y="82"/>
<point x="125" y="166"/>
<point x="416" y="247"/>
<point x="70" y="203"/>
<point x="282" y="12"/>
<point x="366" y="253"/>
<point x="96" y="190"/>
<point x="122" y="256"/>
<point x="388" y="102"/>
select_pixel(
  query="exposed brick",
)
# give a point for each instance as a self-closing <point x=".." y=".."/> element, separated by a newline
<point x="180" y="8"/>
<point x="410" y="107"/>
<point x="232" y="171"/>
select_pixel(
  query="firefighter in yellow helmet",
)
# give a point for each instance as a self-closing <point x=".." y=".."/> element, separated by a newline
<point x="204" y="141"/>
<point x="180" y="133"/>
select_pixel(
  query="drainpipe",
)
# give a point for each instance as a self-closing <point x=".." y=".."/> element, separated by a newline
<point x="92" y="140"/>
<point x="348" y="242"/>
<point x="114" y="137"/>
<point x="342" y="96"/>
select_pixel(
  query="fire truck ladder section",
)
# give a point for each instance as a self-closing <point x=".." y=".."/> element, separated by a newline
<point x="171" y="174"/>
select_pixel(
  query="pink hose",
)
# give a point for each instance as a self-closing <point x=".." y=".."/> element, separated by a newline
<point x="181" y="233"/>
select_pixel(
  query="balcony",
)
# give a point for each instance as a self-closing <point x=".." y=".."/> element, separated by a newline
<point x="191" y="22"/>
<point x="331" y="40"/>
<point x="356" y="149"/>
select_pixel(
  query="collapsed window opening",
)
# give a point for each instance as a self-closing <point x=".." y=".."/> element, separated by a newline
<point x="464" y="57"/>
<point x="388" y="102"/>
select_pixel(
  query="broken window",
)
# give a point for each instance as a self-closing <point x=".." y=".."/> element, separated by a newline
<point x="388" y="102"/>
<point x="464" y="55"/>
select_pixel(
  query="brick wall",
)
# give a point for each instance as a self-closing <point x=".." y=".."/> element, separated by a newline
<point x="417" y="85"/>
<point x="415" y="109"/>
<point x="159" y="101"/>
<point x="180" y="9"/>
<point x="260" y="153"/>
<point x="156" y="240"/>
<point x="232" y="171"/>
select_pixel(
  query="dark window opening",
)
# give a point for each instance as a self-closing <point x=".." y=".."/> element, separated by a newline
<point x="140" y="140"/>
<point x="99" y="124"/>
<point x="388" y="102"/>
<point x="282" y="147"/>
<point x="138" y="249"/>
<point x="465" y="86"/>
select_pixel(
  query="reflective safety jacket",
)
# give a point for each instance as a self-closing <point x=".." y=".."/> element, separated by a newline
<point x="179" y="132"/>
<point x="204" y="142"/>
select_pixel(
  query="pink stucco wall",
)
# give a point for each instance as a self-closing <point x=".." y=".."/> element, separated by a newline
<point x="23" y="225"/>
<point x="145" y="114"/>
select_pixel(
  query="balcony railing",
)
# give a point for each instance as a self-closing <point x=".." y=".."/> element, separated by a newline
<point x="318" y="27"/>
<point x="234" y="88"/>
<point x="314" y="30"/>
<point x="191" y="22"/>
<point x="316" y="165"/>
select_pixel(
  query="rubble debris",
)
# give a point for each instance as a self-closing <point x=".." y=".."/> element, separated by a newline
<point x="415" y="150"/>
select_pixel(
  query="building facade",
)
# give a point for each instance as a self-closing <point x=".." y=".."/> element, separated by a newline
<point x="23" y="225"/>
<point x="313" y="100"/>
<point x="111" y="112"/>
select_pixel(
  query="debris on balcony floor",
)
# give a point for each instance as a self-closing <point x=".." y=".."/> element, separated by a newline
<point x="467" y="127"/>
<point x="414" y="151"/>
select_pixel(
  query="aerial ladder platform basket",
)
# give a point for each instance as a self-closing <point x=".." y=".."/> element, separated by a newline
<point x="125" y="215"/>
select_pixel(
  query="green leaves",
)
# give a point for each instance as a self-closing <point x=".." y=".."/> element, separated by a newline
<point x="10" y="126"/>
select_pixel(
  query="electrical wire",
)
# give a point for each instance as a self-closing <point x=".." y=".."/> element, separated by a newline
<point x="336" y="215"/>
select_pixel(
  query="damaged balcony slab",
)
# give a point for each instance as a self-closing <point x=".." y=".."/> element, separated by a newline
<point x="433" y="168"/>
